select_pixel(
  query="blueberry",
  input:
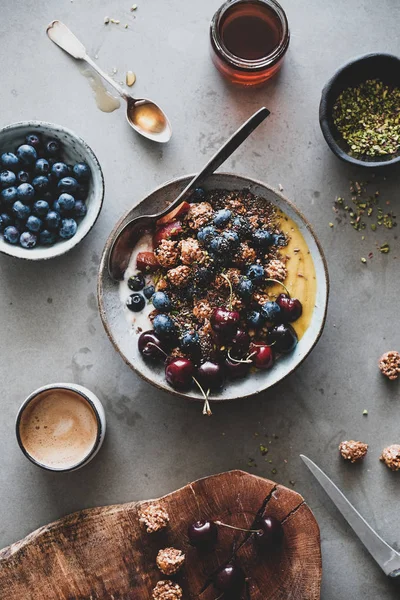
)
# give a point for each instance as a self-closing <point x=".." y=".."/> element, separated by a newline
<point x="81" y="172"/>
<point x="41" y="184"/>
<point x="219" y="245"/>
<point x="136" y="282"/>
<point x="52" y="220"/>
<point x="198" y="195"/>
<point x="190" y="291"/>
<point x="255" y="273"/>
<point x="9" y="161"/>
<point x="279" y="239"/>
<point x="205" y="234"/>
<point x="190" y="342"/>
<point x="27" y="155"/>
<point x="21" y="210"/>
<point x="262" y="238"/>
<point x="203" y="276"/>
<point x="68" y="228"/>
<point x="271" y="311"/>
<point x="245" y="288"/>
<point x="67" y="184"/>
<point x="47" y="238"/>
<point x="9" y="196"/>
<point x="33" y="139"/>
<point x="81" y="192"/>
<point x="232" y="238"/>
<point x="11" y="234"/>
<point x="41" y="208"/>
<point x="135" y="302"/>
<point x="5" y="221"/>
<point x="23" y="177"/>
<point x="222" y="217"/>
<point x="66" y="203"/>
<point x="148" y="291"/>
<point x="34" y="224"/>
<point x="7" y="179"/>
<point x="241" y="225"/>
<point x="25" y="193"/>
<point x="28" y="239"/>
<point x="255" y="319"/>
<point x="59" y="170"/>
<point x="80" y="209"/>
<point x="164" y="326"/>
<point x="52" y="148"/>
<point x="161" y="302"/>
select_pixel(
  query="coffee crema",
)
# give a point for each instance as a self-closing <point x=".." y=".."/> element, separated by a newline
<point x="58" y="428"/>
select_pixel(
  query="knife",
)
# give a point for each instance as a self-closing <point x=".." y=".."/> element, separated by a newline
<point x="386" y="557"/>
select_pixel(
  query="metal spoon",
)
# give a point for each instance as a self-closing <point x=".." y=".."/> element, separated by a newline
<point x="125" y="240"/>
<point x="143" y="115"/>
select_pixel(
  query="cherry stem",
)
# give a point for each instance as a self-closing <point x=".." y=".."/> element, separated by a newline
<point x="206" y="407"/>
<point x="279" y="283"/>
<point x="230" y="290"/>
<point x="245" y="361"/>
<point x="158" y="348"/>
<point x="220" y="524"/>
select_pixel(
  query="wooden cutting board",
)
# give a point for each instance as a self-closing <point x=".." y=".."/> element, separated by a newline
<point x="105" y="554"/>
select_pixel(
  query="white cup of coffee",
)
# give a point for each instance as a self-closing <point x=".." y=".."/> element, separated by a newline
<point x="61" y="427"/>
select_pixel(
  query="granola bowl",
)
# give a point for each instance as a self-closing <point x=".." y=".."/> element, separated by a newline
<point x="302" y="270"/>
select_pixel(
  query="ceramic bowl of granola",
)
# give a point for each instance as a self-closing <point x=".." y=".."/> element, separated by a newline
<point x="224" y="298"/>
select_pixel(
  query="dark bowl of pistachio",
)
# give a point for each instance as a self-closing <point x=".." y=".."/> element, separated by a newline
<point x="359" y="111"/>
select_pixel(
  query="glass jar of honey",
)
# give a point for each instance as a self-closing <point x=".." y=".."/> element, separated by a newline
<point x="249" y="39"/>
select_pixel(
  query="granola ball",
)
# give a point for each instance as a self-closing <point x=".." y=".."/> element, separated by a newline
<point x="191" y="252"/>
<point x="389" y="364"/>
<point x="167" y="253"/>
<point x="167" y="590"/>
<point x="199" y="214"/>
<point x="154" y="517"/>
<point x="276" y="269"/>
<point x="179" y="277"/>
<point x="391" y="457"/>
<point x="170" y="560"/>
<point x="353" y="451"/>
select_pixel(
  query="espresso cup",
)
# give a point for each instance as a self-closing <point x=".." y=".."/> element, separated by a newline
<point x="61" y="427"/>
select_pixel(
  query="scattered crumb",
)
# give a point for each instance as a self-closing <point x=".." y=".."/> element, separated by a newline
<point x="106" y="20"/>
<point x="363" y="260"/>
<point x="280" y="186"/>
<point x="330" y="224"/>
<point x="391" y="457"/>
<point x="389" y="364"/>
<point x="352" y="450"/>
<point x="133" y="7"/>
<point x="365" y="412"/>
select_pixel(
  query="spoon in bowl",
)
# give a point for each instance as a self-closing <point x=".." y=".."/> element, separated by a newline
<point x="126" y="238"/>
<point x="143" y="115"/>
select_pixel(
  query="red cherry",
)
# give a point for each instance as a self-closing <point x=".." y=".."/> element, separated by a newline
<point x="263" y="357"/>
<point x="230" y="579"/>
<point x="210" y="376"/>
<point x="240" y="343"/>
<point x="203" y="534"/>
<point x="150" y="346"/>
<point x="291" y="308"/>
<point x="225" y="322"/>
<point x="271" y="533"/>
<point x="236" y="370"/>
<point x="284" y="338"/>
<point x="179" y="372"/>
<point x="147" y="262"/>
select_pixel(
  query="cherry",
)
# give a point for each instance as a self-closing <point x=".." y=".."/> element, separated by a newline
<point x="240" y="343"/>
<point x="270" y="534"/>
<point x="263" y="356"/>
<point x="284" y="338"/>
<point x="230" y="579"/>
<point x="291" y="308"/>
<point x="210" y="376"/>
<point x="236" y="370"/>
<point x="150" y="346"/>
<point x="179" y="372"/>
<point x="225" y="322"/>
<point x="203" y="534"/>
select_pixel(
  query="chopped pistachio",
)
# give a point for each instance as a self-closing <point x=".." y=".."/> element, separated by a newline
<point x="385" y="248"/>
<point x="363" y="260"/>
<point x="365" y="413"/>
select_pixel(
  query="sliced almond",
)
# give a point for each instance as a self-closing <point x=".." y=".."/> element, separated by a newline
<point x="130" y="78"/>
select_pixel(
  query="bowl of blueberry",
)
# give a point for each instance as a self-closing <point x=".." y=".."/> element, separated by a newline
<point x="51" y="190"/>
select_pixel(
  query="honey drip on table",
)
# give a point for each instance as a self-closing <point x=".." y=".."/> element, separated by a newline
<point x="104" y="99"/>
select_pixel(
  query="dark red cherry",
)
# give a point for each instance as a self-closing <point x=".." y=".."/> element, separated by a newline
<point x="179" y="372"/>
<point x="210" y="375"/>
<point x="236" y="370"/>
<point x="225" y="322"/>
<point x="203" y="534"/>
<point x="230" y="579"/>
<point x="150" y="346"/>
<point x="263" y="357"/>
<point x="240" y="343"/>
<point x="284" y="338"/>
<point x="291" y="308"/>
<point x="270" y="535"/>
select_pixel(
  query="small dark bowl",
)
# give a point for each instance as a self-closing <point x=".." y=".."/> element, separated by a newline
<point x="385" y="67"/>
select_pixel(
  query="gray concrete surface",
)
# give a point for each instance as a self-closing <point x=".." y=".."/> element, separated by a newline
<point x="50" y="327"/>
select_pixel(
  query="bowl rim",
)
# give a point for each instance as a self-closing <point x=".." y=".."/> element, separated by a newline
<point x="324" y="117"/>
<point x="37" y="123"/>
<point x="103" y="265"/>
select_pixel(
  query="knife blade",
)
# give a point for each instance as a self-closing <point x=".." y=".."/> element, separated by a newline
<point x="386" y="557"/>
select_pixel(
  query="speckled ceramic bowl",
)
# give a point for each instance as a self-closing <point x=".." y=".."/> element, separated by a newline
<point x="75" y="149"/>
<point x="125" y="340"/>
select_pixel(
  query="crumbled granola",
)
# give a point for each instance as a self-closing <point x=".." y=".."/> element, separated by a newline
<point x="232" y="274"/>
<point x="202" y="310"/>
<point x="170" y="560"/>
<point x="179" y="276"/>
<point x="199" y="214"/>
<point x="389" y="364"/>
<point x="352" y="450"/>
<point x="191" y="252"/>
<point x="162" y="284"/>
<point x="391" y="457"/>
<point x="167" y="253"/>
<point x="167" y="590"/>
<point x="276" y="269"/>
<point x="245" y="255"/>
<point x="154" y="517"/>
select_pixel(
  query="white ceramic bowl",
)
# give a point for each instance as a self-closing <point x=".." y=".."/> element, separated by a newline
<point x="124" y="337"/>
<point x="75" y="149"/>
